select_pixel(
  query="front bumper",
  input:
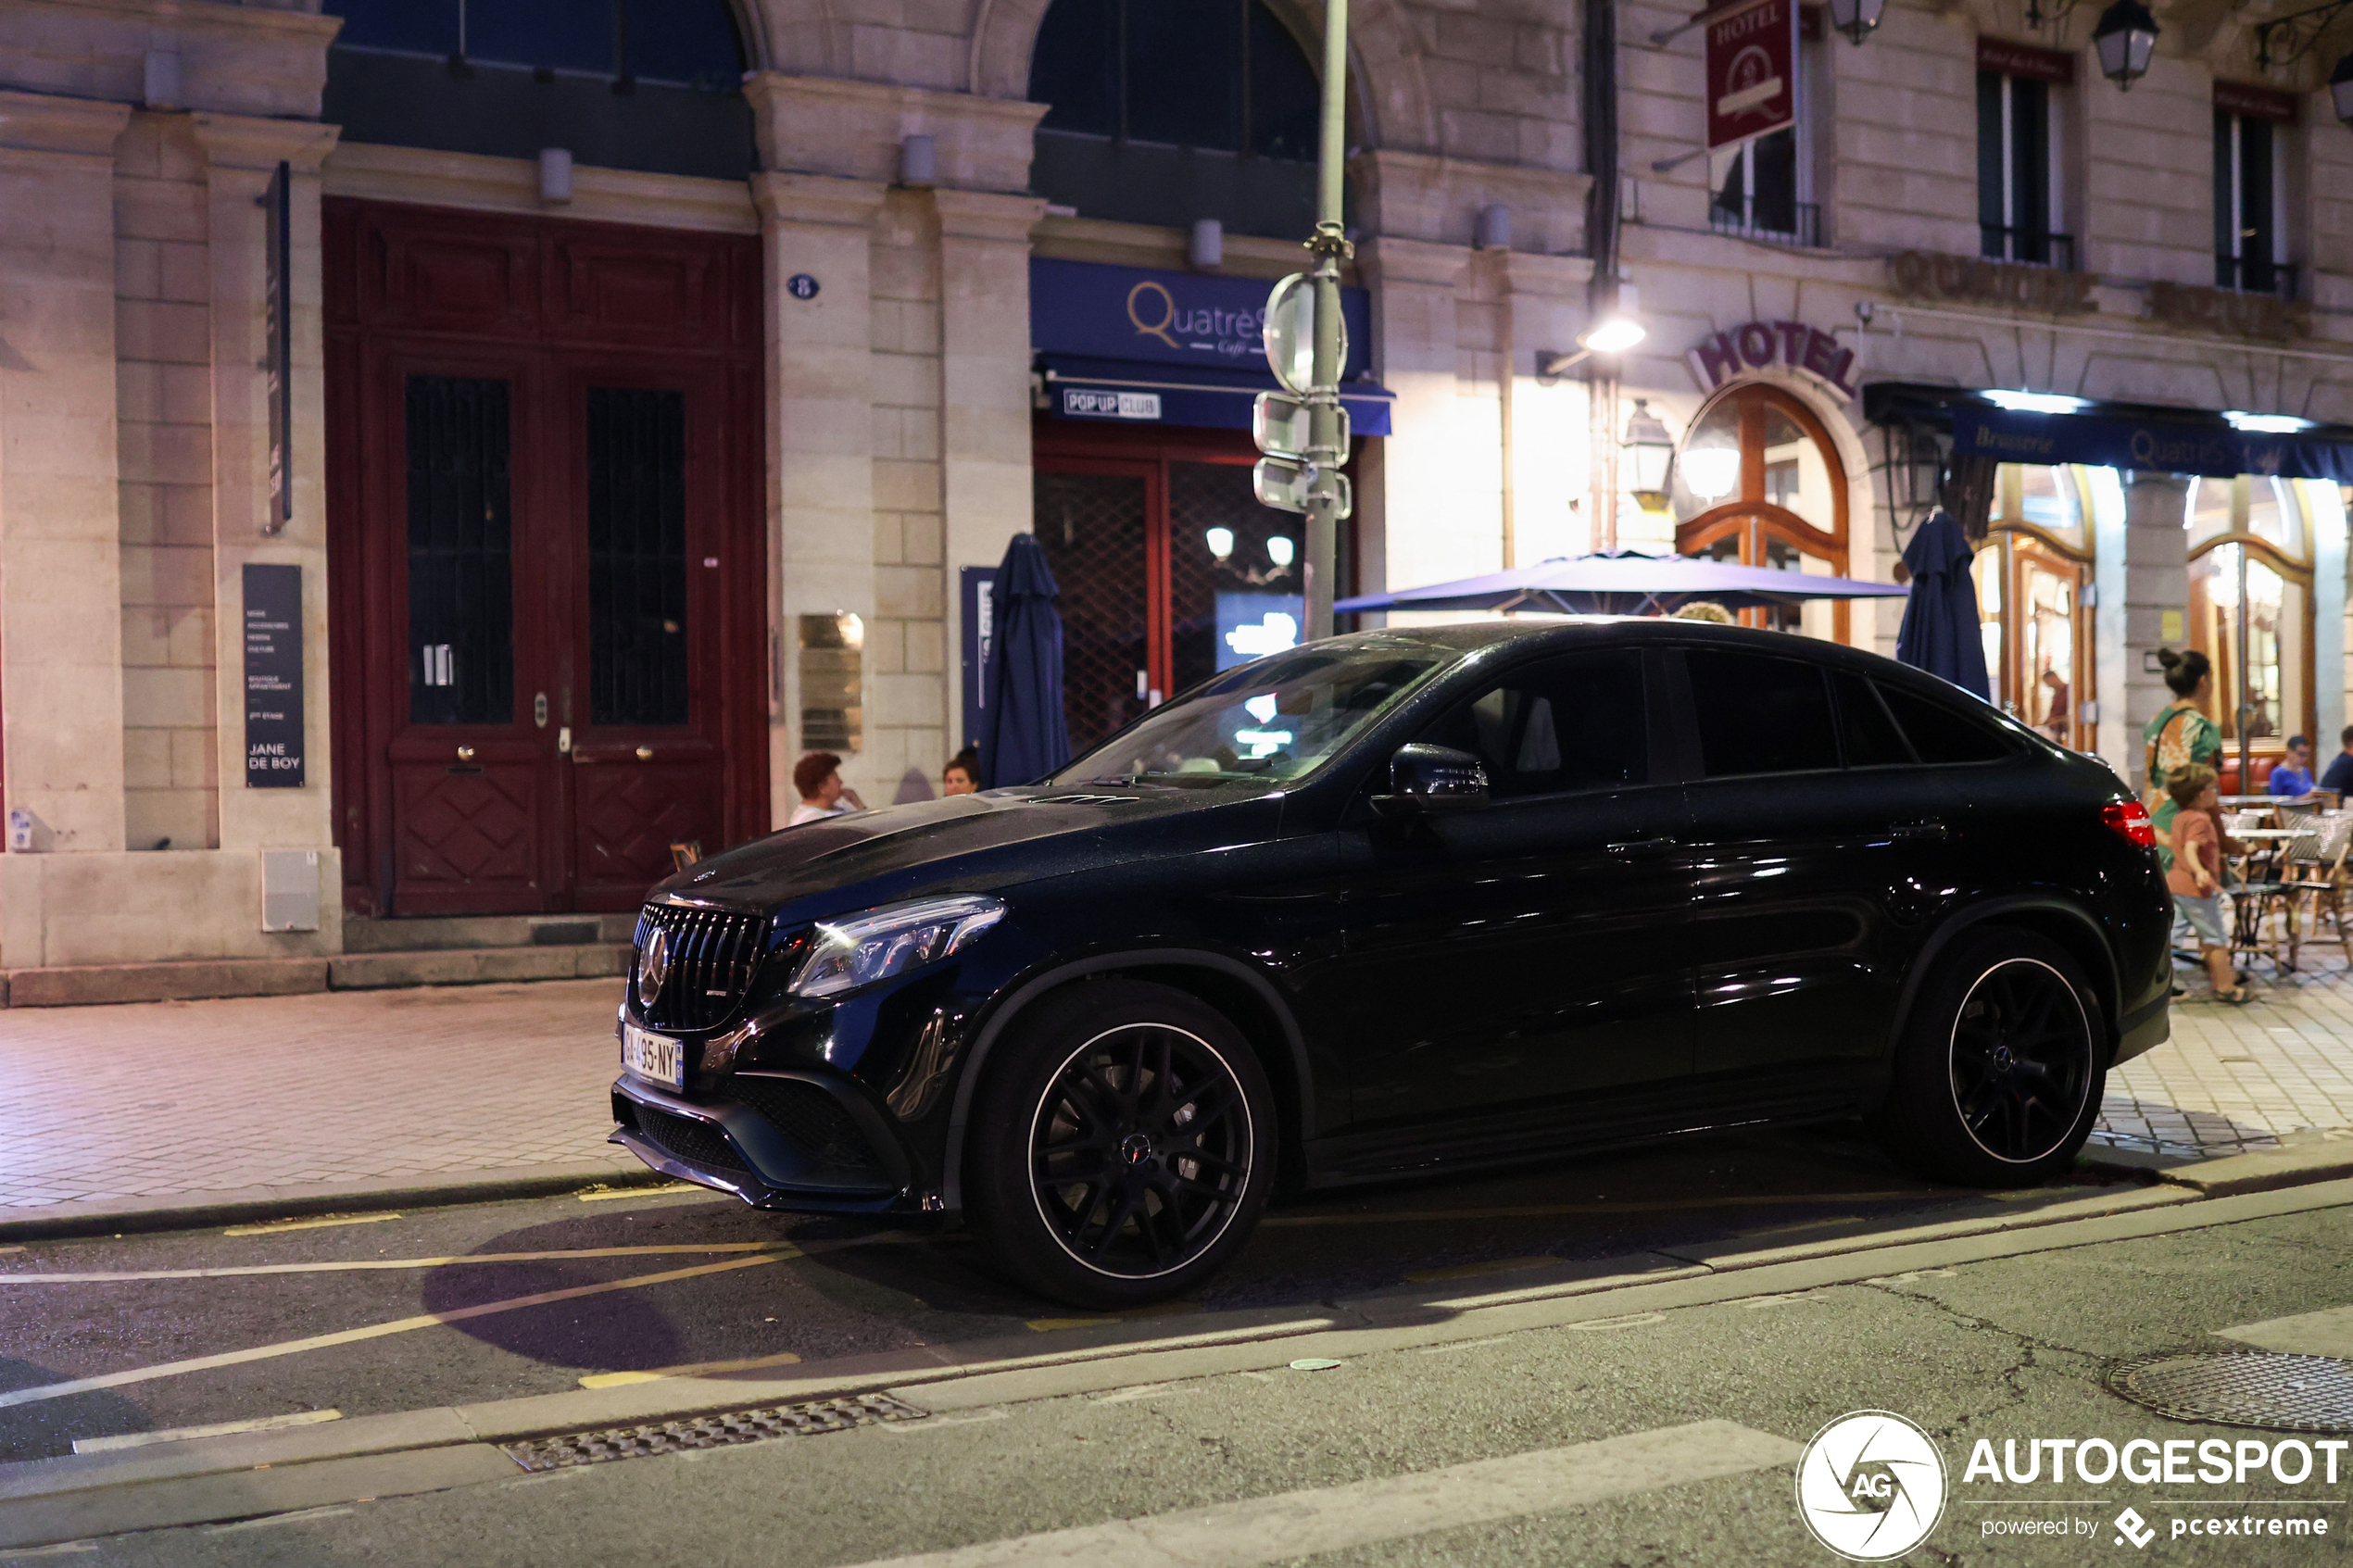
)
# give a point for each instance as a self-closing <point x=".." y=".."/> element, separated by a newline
<point x="793" y="1141"/>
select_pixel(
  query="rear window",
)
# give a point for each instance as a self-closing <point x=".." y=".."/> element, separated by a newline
<point x="1945" y="733"/>
<point x="1758" y="714"/>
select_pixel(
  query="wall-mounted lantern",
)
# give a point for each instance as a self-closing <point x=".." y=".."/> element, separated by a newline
<point x="1856" y="18"/>
<point x="2125" y="39"/>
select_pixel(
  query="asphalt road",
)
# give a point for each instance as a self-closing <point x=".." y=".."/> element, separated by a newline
<point x="769" y="1288"/>
<point x="1573" y="1442"/>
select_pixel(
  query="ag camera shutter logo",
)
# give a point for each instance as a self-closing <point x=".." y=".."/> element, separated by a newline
<point x="1871" y="1487"/>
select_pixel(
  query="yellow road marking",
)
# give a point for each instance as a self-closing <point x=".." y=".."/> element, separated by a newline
<point x="273" y="1226"/>
<point x="1642" y="1206"/>
<point x="354" y="1336"/>
<point x="1133" y="1314"/>
<point x="599" y="1194"/>
<point x="778" y="1248"/>
<point x="698" y="1369"/>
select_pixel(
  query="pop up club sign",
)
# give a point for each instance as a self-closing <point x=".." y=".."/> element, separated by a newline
<point x="1757" y="345"/>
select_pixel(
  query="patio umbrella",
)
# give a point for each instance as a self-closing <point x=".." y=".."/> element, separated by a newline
<point x="1623" y="583"/>
<point x="1023" y="734"/>
<point x="1940" y="632"/>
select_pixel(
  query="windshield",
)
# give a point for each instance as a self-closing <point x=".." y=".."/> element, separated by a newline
<point x="1269" y="721"/>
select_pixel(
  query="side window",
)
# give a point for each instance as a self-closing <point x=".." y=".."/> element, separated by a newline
<point x="1941" y="734"/>
<point x="1760" y="714"/>
<point x="1574" y="722"/>
<point x="1865" y="732"/>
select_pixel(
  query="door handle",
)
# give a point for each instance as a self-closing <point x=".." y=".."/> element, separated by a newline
<point x="1927" y="827"/>
<point x="563" y="740"/>
<point x="1643" y="846"/>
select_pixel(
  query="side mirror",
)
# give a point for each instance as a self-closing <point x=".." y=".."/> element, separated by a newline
<point x="1432" y="778"/>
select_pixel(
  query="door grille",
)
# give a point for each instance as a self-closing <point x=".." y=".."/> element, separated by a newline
<point x="713" y="958"/>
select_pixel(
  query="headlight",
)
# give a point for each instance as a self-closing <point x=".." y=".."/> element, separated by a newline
<point x="897" y="938"/>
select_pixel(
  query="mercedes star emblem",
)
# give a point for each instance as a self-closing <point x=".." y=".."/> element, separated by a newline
<point x="653" y="966"/>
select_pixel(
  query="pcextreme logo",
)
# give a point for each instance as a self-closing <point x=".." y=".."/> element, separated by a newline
<point x="1870" y="1486"/>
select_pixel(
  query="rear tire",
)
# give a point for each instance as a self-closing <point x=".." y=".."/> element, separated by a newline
<point x="1123" y="1144"/>
<point x="2001" y="1067"/>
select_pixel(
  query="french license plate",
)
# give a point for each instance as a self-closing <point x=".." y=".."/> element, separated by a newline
<point x="655" y="1058"/>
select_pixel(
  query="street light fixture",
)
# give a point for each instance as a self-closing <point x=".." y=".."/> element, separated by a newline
<point x="2125" y="38"/>
<point x="1652" y="453"/>
<point x="1856" y="18"/>
<point x="1613" y="334"/>
<point x="2341" y="89"/>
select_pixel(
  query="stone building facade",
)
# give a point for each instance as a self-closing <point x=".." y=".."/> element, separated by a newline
<point x="848" y="233"/>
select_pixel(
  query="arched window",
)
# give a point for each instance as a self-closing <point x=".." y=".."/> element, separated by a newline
<point x="1164" y="111"/>
<point x="1758" y="482"/>
<point x="651" y="88"/>
<point x="2251" y="605"/>
<point x="2032" y="573"/>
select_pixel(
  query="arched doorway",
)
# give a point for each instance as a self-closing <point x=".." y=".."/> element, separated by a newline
<point x="2251" y="607"/>
<point x="2032" y="574"/>
<point x="1758" y="480"/>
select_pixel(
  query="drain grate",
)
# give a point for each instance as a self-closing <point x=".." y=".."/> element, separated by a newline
<point x="710" y="1430"/>
<point x="2242" y="1388"/>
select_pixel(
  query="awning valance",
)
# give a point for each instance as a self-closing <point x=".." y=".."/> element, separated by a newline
<point x="1136" y="392"/>
<point x="2120" y="435"/>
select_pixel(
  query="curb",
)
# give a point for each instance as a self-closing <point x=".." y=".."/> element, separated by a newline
<point x="60" y="1221"/>
<point x="2290" y="1165"/>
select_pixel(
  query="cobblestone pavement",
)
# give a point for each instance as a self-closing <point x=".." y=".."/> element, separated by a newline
<point x="176" y="1101"/>
<point x="2235" y="1078"/>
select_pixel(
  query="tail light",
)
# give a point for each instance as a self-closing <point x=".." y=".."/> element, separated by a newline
<point x="2130" y="819"/>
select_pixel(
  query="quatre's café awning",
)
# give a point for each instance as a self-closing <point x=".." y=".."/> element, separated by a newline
<point x="1141" y="346"/>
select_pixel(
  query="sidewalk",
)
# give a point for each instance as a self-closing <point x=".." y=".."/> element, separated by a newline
<point x="459" y="1090"/>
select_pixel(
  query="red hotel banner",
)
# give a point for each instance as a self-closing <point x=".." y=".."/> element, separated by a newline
<point x="1752" y="70"/>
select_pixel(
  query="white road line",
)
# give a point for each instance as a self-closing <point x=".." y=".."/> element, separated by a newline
<point x="1305" y="1524"/>
<point x="1145" y="1391"/>
<point x="2327" y="1333"/>
<point x="780" y="1249"/>
<point x="354" y="1335"/>
<point x="1603" y="1325"/>
<point x="218" y="1429"/>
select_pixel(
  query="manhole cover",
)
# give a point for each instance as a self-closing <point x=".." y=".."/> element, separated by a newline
<point x="2242" y="1388"/>
<point x="710" y="1430"/>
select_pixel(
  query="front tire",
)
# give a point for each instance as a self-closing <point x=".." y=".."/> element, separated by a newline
<point x="2001" y="1067"/>
<point x="1123" y="1146"/>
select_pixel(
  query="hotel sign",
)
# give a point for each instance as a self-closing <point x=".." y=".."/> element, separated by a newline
<point x="1756" y="346"/>
<point x="1752" y="70"/>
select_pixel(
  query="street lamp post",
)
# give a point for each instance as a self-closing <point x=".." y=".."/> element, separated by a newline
<point x="1304" y="429"/>
<point x="1327" y="500"/>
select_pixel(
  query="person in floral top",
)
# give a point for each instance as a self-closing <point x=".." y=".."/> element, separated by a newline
<point x="2178" y="736"/>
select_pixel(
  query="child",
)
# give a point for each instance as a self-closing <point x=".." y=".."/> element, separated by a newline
<point x="2196" y="877"/>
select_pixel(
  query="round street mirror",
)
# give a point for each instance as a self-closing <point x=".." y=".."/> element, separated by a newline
<point x="1290" y="334"/>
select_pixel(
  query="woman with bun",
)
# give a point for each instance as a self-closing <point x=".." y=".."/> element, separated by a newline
<point x="2178" y="736"/>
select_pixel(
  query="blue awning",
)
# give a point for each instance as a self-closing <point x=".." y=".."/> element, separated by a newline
<point x="1136" y="392"/>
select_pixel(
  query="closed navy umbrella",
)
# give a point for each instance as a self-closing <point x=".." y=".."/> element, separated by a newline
<point x="1940" y="632"/>
<point x="1023" y="734"/>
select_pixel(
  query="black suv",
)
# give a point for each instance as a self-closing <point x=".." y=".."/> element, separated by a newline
<point x="1400" y="901"/>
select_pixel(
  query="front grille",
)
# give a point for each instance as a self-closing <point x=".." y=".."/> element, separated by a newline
<point x="811" y="1118"/>
<point x="682" y="1137"/>
<point x="714" y="957"/>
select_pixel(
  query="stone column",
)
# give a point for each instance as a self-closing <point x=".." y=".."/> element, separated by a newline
<point x="985" y="413"/>
<point x="2156" y="597"/>
<point x="245" y="154"/>
<point x="1430" y="528"/>
<point x="1546" y="466"/>
<point x="60" y="523"/>
<point x="820" y="433"/>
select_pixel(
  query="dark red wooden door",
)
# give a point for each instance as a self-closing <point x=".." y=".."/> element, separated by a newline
<point x="547" y="556"/>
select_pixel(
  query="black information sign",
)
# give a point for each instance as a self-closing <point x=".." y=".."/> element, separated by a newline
<point x="277" y="358"/>
<point x="273" y="677"/>
<point x="800" y="285"/>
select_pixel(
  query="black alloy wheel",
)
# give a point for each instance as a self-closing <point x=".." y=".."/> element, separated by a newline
<point x="1128" y="1145"/>
<point x="1999" y="1072"/>
<point x="2021" y="1056"/>
<point x="1140" y="1149"/>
